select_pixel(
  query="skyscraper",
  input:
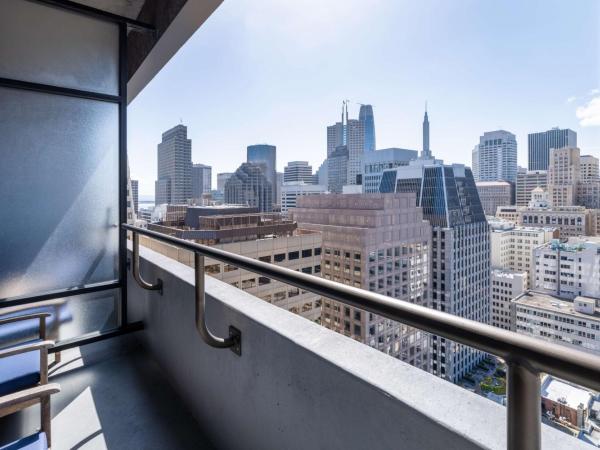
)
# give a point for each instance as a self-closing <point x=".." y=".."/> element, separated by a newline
<point x="298" y="171"/>
<point x="497" y="156"/>
<point x="563" y="176"/>
<point x="355" y="142"/>
<point x="337" y="169"/>
<point x="351" y="134"/>
<point x="135" y="191"/>
<point x="460" y="277"/>
<point x="475" y="162"/>
<point x="366" y="117"/>
<point x="266" y="156"/>
<point x="174" y="184"/>
<point x="378" y="243"/>
<point x="527" y="182"/>
<point x="201" y="180"/>
<point x="539" y="145"/>
<point x="222" y="179"/>
<point x="249" y="186"/>
<point x="336" y="133"/>
<point x="426" y="153"/>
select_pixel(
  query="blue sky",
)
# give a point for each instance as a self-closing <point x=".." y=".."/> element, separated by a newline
<point x="275" y="71"/>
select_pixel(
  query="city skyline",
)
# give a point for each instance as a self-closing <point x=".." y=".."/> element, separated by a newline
<point x="201" y="84"/>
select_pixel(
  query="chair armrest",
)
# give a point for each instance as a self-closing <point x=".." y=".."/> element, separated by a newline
<point x="24" y="317"/>
<point x="23" y="348"/>
<point x="26" y="395"/>
<point x="54" y="303"/>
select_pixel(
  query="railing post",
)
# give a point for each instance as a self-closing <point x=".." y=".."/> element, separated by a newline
<point x="234" y="341"/>
<point x="524" y="410"/>
<point x="136" y="268"/>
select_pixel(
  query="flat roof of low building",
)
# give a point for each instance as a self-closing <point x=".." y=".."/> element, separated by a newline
<point x="492" y="183"/>
<point x="509" y="274"/>
<point x="552" y="303"/>
<point x="502" y="226"/>
<point x="562" y="392"/>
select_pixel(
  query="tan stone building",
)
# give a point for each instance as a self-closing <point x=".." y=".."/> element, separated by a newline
<point x="493" y="194"/>
<point x="262" y="236"/>
<point x="377" y="242"/>
<point x="588" y="168"/>
<point x="570" y="220"/>
<point x="563" y="176"/>
<point x="527" y="181"/>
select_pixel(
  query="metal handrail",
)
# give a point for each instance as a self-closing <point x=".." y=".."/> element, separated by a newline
<point x="526" y="356"/>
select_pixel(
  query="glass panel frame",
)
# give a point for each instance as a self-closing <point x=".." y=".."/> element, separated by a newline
<point x="119" y="99"/>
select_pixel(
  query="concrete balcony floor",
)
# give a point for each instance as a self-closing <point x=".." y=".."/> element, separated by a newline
<point x="113" y="395"/>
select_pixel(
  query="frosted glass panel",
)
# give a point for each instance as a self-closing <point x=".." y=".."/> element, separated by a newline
<point x="59" y="192"/>
<point x="70" y="317"/>
<point x="43" y="44"/>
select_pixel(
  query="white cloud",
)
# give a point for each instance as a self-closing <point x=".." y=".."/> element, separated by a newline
<point x="595" y="91"/>
<point x="571" y="99"/>
<point x="589" y="114"/>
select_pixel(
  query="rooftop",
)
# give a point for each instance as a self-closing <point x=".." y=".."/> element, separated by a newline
<point x="562" y="392"/>
<point x="574" y="244"/>
<point x="492" y="184"/>
<point x="501" y="226"/>
<point x="508" y="274"/>
<point x="552" y="303"/>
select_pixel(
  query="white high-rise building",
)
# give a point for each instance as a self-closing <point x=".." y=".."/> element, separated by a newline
<point x="573" y="323"/>
<point x="569" y="269"/>
<point x="506" y="286"/>
<point x="298" y="171"/>
<point x="512" y="246"/>
<point x="496" y="156"/>
<point x="290" y="191"/>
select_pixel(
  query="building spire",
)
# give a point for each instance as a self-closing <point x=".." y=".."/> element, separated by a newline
<point x="426" y="152"/>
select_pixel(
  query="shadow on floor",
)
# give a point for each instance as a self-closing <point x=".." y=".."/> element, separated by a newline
<point x="113" y="395"/>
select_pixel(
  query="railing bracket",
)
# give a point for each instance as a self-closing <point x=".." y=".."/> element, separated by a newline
<point x="234" y="340"/>
<point x="236" y="336"/>
<point x="136" y="269"/>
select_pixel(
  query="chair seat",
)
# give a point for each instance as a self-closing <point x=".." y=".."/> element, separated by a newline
<point x="20" y="371"/>
<point x="34" y="442"/>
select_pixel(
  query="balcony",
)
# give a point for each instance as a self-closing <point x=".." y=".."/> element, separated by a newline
<point x="295" y="385"/>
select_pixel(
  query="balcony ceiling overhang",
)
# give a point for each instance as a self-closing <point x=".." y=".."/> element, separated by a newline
<point x="174" y="22"/>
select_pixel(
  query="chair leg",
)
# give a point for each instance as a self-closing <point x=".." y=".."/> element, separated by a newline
<point x="57" y="358"/>
<point x="46" y="418"/>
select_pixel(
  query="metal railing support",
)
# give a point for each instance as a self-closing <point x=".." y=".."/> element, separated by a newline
<point x="523" y="408"/>
<point x="136" y="268"/>
<point x="234" y="341"/>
